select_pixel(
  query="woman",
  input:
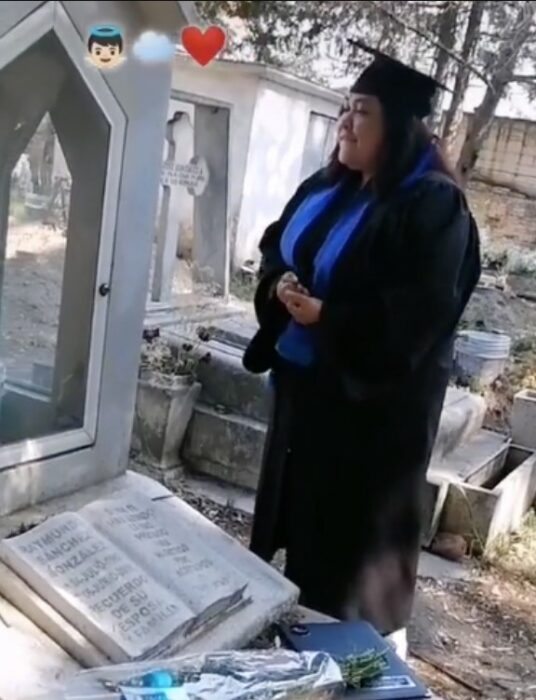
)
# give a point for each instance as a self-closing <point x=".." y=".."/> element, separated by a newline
<point x="363" y="281"/>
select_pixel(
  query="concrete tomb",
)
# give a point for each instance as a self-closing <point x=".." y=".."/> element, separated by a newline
<point x="524" y="419"/>
<point x="142" y="578"/>
<point x="133" y="586"/>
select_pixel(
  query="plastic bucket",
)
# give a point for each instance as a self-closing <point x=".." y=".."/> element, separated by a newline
<point x="481" y="356"/>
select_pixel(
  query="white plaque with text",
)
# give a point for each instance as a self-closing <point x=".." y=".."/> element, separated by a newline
<point x="193" y="175"/>
<point x="132" y="585"/>
<point x="186" y="565"/>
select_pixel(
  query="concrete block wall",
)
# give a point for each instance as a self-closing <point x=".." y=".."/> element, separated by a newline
<point x="502" y="193"/>
<point x="508" y="155"/>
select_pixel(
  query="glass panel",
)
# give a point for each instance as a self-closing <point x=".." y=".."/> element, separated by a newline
<point x="53" y="159"/>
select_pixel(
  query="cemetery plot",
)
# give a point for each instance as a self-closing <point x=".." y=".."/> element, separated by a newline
<point x="126" y="577"/>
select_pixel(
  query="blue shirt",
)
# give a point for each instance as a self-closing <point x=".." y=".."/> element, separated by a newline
<point x="297" y="344"/>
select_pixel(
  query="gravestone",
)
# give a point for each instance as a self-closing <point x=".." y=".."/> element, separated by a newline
<point x="197" y="574"/>
<point x="173" y="175"/>
<point x="211" y="240"/>
<point x="117" y="606"/>
<point x="142" y="578"/>
<point x="193" y="175"/>
<point x="34" y="666"/>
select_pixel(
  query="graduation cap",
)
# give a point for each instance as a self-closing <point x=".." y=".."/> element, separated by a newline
<point x="396" y="85"/>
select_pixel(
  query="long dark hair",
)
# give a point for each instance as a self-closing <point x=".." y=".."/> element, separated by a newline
<point x="406" y="140"/>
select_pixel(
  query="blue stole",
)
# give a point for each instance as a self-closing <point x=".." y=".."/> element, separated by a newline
<point x="297" y="343"/>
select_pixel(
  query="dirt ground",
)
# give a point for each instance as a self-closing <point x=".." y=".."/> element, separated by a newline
<point x="468" y="639"/>
<point x="31" y="292"/>
<point x="494" y="309"/>
<point x="478" y="638"/>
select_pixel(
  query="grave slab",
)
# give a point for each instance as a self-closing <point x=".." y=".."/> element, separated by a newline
<point x="32" y="665"/>
<point x="524" y="419"/>
<point x="224" y="380"/>
<point x="186" y="563"/>
<point x="226" y="446"/>
<point x="482" y="513"/>
<point x="475" y="461"/>
<point x="462" y="416"/>
<point x="269" y="594"/>
<point x="223" y="494"/>
<point x="101" y="590"/>
<point x="434" y="567"/>
<point x="236" y="331"/>
<point x="226" y="383"/>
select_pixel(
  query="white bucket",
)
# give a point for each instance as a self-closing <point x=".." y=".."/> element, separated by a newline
<point x="482" y="356"/>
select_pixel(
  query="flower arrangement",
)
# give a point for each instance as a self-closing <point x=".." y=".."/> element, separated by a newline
<point x="158" y="356"/>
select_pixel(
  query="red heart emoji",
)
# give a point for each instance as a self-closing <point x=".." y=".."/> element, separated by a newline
<point x="203" y="46"/>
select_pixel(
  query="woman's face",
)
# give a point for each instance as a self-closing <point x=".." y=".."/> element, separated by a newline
<point x="360" y="133"/>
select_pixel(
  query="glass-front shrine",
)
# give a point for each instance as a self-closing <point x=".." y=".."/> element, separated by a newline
<point x="51" y="247"/>
<point x="80" y="161"/>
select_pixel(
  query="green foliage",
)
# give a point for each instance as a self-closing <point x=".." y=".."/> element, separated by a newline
<point x="516" y="552"/>
<point x="521" y="262"/>
<point x="495" y="258"/>
<point x="310" y="38"/>
<point x="448" y="39"/>
<point x="158" y="356"/>
<point x="513" y="260"/>
<point x="363" y="667"/>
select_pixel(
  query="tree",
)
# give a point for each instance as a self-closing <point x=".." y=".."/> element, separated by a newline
<point x="501" y="69"/>
<point x="312" y="39"/>
<point x="462" y="73"/>
<point x="510" y="41"/>
<point x="281" y="34"/>
<point x="448" y="24"/>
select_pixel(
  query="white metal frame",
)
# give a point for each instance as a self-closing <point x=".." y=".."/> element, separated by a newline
<point x="53" y="17"/>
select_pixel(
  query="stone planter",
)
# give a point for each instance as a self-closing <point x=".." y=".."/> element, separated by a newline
<point x="482" y="513"/>
<point x="164" y="406"/>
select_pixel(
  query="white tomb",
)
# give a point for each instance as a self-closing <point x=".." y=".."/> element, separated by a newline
<point x="75" y="253"/>
<point x="141" y="576"/>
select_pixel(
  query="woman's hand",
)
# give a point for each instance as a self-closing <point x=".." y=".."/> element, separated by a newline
<point x="288" y="283"/>
<point x="303" y="308"/>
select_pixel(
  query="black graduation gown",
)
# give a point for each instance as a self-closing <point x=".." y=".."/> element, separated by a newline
<point x="349" y="441"/>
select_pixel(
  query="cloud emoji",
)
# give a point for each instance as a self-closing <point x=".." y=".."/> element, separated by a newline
<point x="151" y="47"/>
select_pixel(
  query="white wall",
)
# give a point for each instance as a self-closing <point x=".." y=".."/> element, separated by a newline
<point x="269" y="124"/>
<point x="277" y="142"/>
<point x="220" y="83"/>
